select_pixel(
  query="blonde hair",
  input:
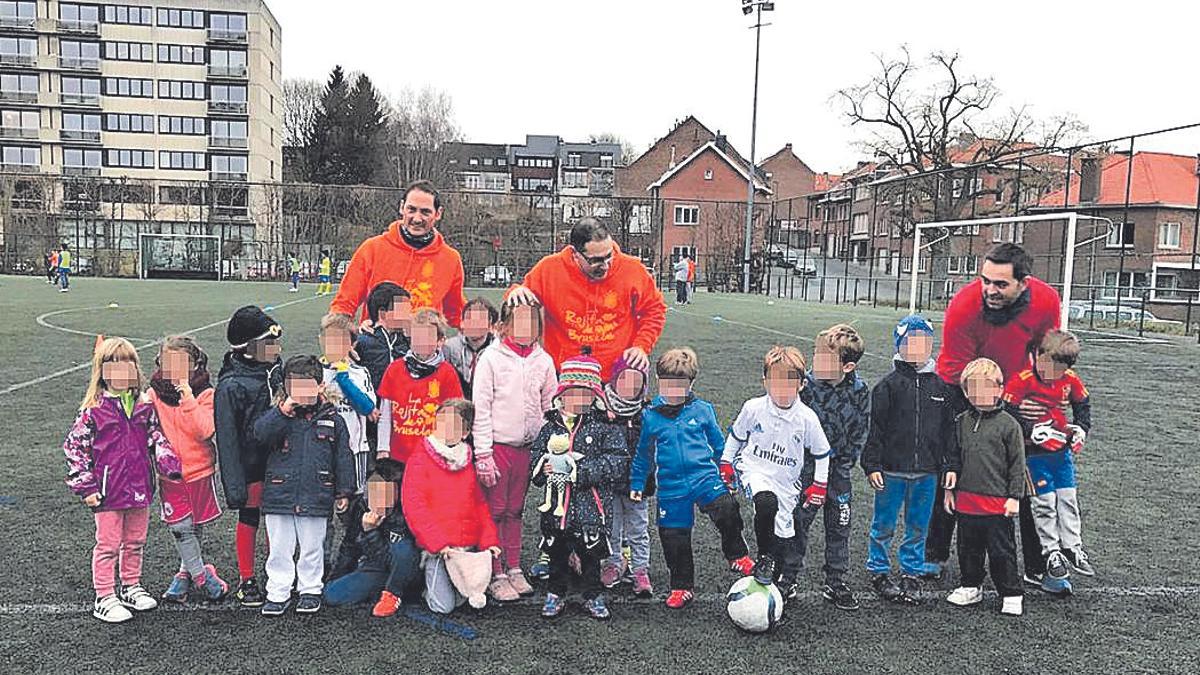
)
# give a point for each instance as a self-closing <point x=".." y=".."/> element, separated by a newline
<point x="985" y="368"/>
<point x="680" y="362"/>
<point x="844" y="340"/>
<point x="788" y="356"/>
<point x="1063" y="347"/>
<point x="428" y="316"/>
<point x="337" y="322"/>
<point x="110" y="350"/>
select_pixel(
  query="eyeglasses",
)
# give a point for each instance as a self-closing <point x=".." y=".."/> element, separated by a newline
<point x="595" y="261"/>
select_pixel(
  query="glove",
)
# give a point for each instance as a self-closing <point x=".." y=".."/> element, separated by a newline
<point x="1078" y="436"/>
<point x="1049" y="438"/>
<point x="486" y="471"/>
<point x="814" y="495"/>
<point x="727" y="473"/>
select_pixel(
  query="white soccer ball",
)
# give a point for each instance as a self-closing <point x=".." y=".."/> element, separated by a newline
<point x="754" y="607"/>
<point x="771" y="302"/>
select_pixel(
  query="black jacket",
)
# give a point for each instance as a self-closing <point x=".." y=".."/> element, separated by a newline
<point x="376" y="544"/>
<point x="912" y="423"/>
<point x="244" y="391"/>
<point x="310" y="462"/>
<point x="377" y="350"/>
<point x="602" y="469"/>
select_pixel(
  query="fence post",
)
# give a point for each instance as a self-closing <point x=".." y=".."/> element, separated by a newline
<point x="1187" y="322"/>
<point x="1141" y="317"/>
<point x="896" y="301"/>
<point x="821" y="298"/>
<point x="875" y="295"/>
<point x="854" y="300"/>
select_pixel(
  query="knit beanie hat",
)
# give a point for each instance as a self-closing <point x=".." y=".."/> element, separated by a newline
<point x="581" y="371"/>
<point x="913" y="323"/>
<point x="620" y="366"/>
<point x="250" y="323"/>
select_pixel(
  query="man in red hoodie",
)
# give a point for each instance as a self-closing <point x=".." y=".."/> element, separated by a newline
<point x="413" y="254"/>
<point x="593" y="294"/>
<point x="1002" y="316"/>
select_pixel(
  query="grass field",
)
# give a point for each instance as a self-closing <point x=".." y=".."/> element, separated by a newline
<point x="1138" y="485"/>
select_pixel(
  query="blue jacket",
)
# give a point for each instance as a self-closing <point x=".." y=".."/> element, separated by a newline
<point x="684" y="448"/>
<point x="310" y="464"/>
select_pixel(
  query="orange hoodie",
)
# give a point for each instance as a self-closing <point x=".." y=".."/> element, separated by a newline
<point x="432" y="275"/>
<point x="624" y="309"/>
<point x="189" y="427"/>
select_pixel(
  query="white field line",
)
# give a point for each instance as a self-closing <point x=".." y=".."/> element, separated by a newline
<point x="763" y="329"/>
<point x="66" y="371"/>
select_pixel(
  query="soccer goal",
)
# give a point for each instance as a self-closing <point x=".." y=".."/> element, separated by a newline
<point x="179" y="256"/>
<point x="941" y="248"/>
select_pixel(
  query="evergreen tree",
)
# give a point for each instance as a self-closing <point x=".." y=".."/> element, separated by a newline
<point x="326" y="151"/>
<point x="366" y="135"/>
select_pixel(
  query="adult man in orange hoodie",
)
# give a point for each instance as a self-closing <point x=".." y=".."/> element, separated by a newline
<point x="594" y="294"/>
<point x="413" y="254"/>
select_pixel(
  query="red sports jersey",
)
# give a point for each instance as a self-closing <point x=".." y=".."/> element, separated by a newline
<point x="1027" y="386"/>
<point x="415" y="403"/>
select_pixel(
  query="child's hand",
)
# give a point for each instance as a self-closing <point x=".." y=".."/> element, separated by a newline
<point x="635" y="495"/>
<point x="341" y="504"/>
<point x="1078" y="436"/>
<point x="288" y="407"/>
<point x="371" y="520"/>
<point x="547" y="469"/>
<point x="383" y="454"/>
<point x="375" y="415"/>
<point x="1011" y="507"/>
<point x="950" y="480"/>
<point x="948" y="502"/>
<point x="92" y="500"/>
<point x="727" y="473"/>
<point x="367" y="326"/>
<point x="185" y="389"/>
<point x="495" y="551"/>
<point x="814" y="494"/>
<point x="876" y="480"/>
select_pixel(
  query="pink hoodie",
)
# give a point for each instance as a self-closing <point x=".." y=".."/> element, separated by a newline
<point x="511" y="395"/>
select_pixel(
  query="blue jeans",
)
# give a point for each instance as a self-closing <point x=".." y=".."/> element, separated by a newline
<point x="64" y="277"/>
<point x="916" y="495"/>
<point x="362" y="586"/>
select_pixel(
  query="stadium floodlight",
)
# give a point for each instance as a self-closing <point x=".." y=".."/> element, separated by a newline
<point x="748" y="7"/>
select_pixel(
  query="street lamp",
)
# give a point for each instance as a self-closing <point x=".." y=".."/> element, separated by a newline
<point x="749" y="7"/>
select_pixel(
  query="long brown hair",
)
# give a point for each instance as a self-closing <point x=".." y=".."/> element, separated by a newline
<point x="110" y="350"/>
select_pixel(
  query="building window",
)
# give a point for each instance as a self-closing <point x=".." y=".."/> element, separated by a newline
<point x="130" y="159"/>
<point x="227" y="97"/>
<point x="687" y="215"/>
<point x="1168" y="235"/>
<point x="128" y="86"/>
<point x="575" y="179"/>
<point x="80" y="121"/>
<point x="129" y="51"/>
<point x="861" y="224"/>
<point x="79" y="13"/>
<point x="229" y="25"/>
<point x="501" y="161"/>
<point x="21" y="119"/>
<point x="182" y="89"/>
<point x="1120" y="236"/>
<point x="18" y="50"/>
<point x="1132" y="284"/>
<point x="17" y="156"/>
<point x="1012" y="233"/>
<point x="180" y="54"/>
<point x="231" y="129"/>
<point x="708" y="174"/>
<point x="78" y="53"/>
<point x="129" y="123"/>
<point x="188" y="161"/>
<point x="79" y="89"/>
<point x="229" y="164"/>
<point x="180" y="18"/>
<point x="535" y="184"/>
<point x="18" y="13"/>
<point x="78" y="158"/>
<point x="474" y="161"/>
<point x="488" y="161"/>
<point x="181" y="126"/>
<point x="606" y="161"/>
<point x="230" y="62"/>
<point x="535" y="162"/>
<point x="573" y="159"/>
<point x="20" y="84"/>
<point x="128" y="14"/>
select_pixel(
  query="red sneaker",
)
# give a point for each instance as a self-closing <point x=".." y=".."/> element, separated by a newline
<point x="387" y="606"/>
<point x="743" y="566"/>
<point x="680" y="599"/>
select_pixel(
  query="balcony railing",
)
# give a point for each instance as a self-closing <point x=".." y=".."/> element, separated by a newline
<point x="231" y="176"/>
<point x="227" y="36"/>
<point x="88" y="100"/>
<point x="91" y="63"/>
<point x="228" y="107"/>
<point x="19" y="168"/>
<point x="19" y="132"/>
<point x="79" y="135"/>
<point x="229" y="212"/>
<point x="81" y="171"/>
<point x="82" y="27"/>
<point x="10" y="96"/>
<point x="29" y="60"/>
<point x="228" y="142"/>
<point x="234" y="72"/>
<point x="18" y="22"/>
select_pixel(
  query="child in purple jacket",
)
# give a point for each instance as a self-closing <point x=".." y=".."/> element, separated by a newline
<point x="113" y="451"/>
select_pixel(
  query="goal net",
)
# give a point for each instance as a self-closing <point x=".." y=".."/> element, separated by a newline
<point x="179" y="256"/>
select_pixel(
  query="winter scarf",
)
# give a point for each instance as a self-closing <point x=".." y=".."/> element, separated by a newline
<point x="999" y="317"/>
<point x="621" y="407"/>
<point x="168" y="394"/>
<point x="420" y="369"/>
<point x="672" y="410"/>
<point x="418" y="242"/>
<point x="456" y="456"/>
<point x="519" y="350"/>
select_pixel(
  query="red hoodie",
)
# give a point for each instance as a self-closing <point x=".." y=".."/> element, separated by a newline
<point x="432" y="275"/>
<point x="967" y="335"/>
<point x="624" y="309"/>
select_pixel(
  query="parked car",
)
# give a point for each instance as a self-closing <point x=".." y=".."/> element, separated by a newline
<point x="496" y="275"/>
<point x="1083" y="311"/>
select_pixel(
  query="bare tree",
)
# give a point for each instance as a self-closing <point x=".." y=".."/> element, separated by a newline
<point x="421" y="123"/>
<point x="301" y="100"/>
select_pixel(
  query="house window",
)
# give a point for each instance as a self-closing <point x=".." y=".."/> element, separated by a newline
<point x="126" y="14"/>
<point x="127" y="122"/>
<point x="180" y="18"/>
<point x="488" y="161"/>
<point x="575" y="179"/>
<point x="1168" y="235"/>
<point x="192" y="161"/>
<point x="687" y="215"/>
<point x="1131" y="286"/>
<point x="954" y="265"/>
<point x="1012" y="233"/>
<point x="606" y="161"/>
<point x="708" y="174"/>
<point x="180" y="54"/>
<point x="129" y="51"/>
<point x="678" y="251"/>
<point x="474" y="161"/>
<point x="1120" y="236"/>
<point x="573" y="159"/>
<point x="132" y="159"/>
<point x="182" y="89"/>
<point x="861" y="224"/>
<point x="126" y="86"/>
<point x="182" y="126"/>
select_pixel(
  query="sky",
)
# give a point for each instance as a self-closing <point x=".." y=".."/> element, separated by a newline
<point x="635" y="67"/>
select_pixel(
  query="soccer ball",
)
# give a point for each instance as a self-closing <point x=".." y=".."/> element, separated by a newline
<point x="754" y="607"/>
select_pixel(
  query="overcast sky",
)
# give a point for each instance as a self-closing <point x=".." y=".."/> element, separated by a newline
<point x="633" y="67"/>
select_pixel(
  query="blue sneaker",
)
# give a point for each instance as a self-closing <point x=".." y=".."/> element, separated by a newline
<point x="1056" y="586"/>
<point x="179" y="588"/>
<point x="597" y="608"/>
<point x="553" y="607"/>
<point x="310" y="603"/>
<point x="541" y="568"/>
<point x="270" y="608"/>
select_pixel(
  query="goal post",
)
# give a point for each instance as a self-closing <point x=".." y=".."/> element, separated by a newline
<point x="179" y="256"/>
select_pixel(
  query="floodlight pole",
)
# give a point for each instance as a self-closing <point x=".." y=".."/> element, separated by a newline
<point x="758" y="25"/>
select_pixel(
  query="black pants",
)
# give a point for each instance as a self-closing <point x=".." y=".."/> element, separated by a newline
<point x="349" y="551"/>
<point x="590" y="550"/>
<point x="766" y="507"/>
<point x="941" y="530"/>
<point x="677" y="541"/>
<point x="680" y="292"/>
<point x="1031" y="546"/>
<point x="836" y="518"/>
<point x="989" y="537"/>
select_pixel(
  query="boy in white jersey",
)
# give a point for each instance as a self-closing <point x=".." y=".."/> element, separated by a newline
<point x="765" y="453"/>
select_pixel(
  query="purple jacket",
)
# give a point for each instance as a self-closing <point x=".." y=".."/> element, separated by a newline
<point x="111" y="454"/>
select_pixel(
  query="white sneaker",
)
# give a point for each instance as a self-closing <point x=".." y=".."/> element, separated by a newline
<point x="110" y="610"/>
<point x="136" y="598"/>
<point x="965" y="595"/>
<point x="1014" y="605"/>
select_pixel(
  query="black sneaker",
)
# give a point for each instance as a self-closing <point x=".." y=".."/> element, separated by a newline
<point x="1078" y="559"/>
<point x="840" y="595"/>
<point x="886" y="588"/>
<point x="1032" y="578"/>
<point x="276" y="608"/>
<point x="1056" y="565"/>
<point x="788" y="588"/>
<point x="764" y="570"/>
<point x="910" y="590"/>
<point x="249" y="594"/>
<point x="309" y="603"/>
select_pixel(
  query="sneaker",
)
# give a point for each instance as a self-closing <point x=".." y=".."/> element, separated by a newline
<point x="910" y="589"/>
<point x="610" y="575"/>
<point x="885" y="587"/>
<point x="840" y="595"/>
<point x="501" y="590"/>
<point x="110" y="610"/>
<point x="310" y="603"/>
<point x="177" y="591"/>
<point x="517" y="580"/>
<point x="764" y="570"/>
<point x="1078" y="559"/>
<point x="1032" y="578"/>
<point x="136" y="598"/>
<point x="387" y="605"/>
<point x="1056" y="565"/>
<point x="64" y="290"/>
<point x="680" y="599"/>
<point x="249" y="594"/>
<point x="743" y="566"/>
<point x="934" y="571"/>
<point x="214" y="587"/>
<point x="276" y="608"/>
<point x="596" y="608"/>
<point x="641" y="584"/>
<point x="965" y="595"/>
<point x="1060" y="586"/>
<point x="541" y="568"/>
<point x="553" y="606"/>
<point x="790" y="590"/>
<point x="1014" y="605"/>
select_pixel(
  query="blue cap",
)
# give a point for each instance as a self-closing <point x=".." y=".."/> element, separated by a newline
<point x="913" y="323"/>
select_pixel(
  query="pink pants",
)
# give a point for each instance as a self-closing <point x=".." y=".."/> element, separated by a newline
<point x="120" y="538"/>
<point x="506" y="501"/>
